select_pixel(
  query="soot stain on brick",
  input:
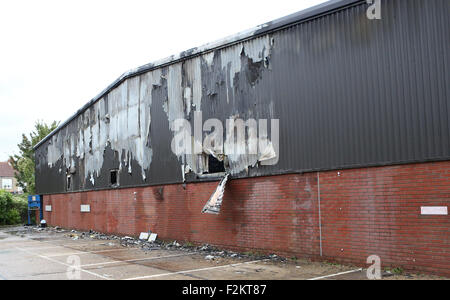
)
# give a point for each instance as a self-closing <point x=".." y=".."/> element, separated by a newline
<point x="158" y="193"/>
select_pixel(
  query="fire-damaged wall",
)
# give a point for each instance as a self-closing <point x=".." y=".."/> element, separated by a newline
<point x="346" y="92"/>
<point x="342" y="216"/>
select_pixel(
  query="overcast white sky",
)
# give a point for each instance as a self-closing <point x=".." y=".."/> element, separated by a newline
<point x="57" y="55"/>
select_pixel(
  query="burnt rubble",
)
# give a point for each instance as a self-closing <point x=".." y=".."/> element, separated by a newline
<point x="210" y="252"/>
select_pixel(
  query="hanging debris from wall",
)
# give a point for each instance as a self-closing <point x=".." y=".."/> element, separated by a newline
<point x="215" y="202"/>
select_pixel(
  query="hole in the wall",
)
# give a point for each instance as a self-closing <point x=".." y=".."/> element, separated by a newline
<point x="114" y="178"/>
<point x="215" y="165"/>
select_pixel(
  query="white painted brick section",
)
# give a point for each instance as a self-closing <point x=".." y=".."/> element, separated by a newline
<point x="434" y="210"/>
<point x="85" y="208"/>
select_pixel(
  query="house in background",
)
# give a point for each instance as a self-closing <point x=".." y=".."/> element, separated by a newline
<point x="7" y="180"/>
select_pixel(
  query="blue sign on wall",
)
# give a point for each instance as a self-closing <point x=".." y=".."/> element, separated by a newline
<point x="34" y="201"/>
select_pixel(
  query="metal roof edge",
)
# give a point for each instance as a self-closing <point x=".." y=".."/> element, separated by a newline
<point x="278" y="24"/>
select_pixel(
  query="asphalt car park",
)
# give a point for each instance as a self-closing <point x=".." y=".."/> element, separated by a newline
<point x="33" y="254"/>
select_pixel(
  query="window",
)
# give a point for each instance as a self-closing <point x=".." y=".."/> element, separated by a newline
<point x="114" y="178"/>
<point x="7" y="184"/>
<point x="215" y="165"/>
<point x="69" y="182"/>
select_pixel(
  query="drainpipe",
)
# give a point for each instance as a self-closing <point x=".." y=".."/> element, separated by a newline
<point x="320" y="213"/>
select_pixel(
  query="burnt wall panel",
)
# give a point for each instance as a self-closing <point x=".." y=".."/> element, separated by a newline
<point x="348" y="92"/>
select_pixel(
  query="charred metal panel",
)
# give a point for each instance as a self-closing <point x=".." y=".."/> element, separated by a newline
<point x="348" y="92"/>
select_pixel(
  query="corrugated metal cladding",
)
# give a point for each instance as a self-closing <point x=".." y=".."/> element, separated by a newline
<point x="348" y="92"/>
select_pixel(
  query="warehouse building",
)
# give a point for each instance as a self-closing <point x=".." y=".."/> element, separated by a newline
<point x="345" y="152"/>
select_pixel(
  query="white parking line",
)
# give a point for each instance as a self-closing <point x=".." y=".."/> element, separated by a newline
<point x="61" y="263"/>
<point x="85" y="252"/>
<point x="48" y="245"/>
<point x="334" y="275"/>
<point x="31" y="241"/>
<point x="135" y="260"/>
<point x="82" y="243"/>
<point x="15" y="241"/>
<point x="50" y="240"/>
<point x="195" y="270"/>
<point x="61" y="246"/>
<point x="24" y="242"/>
<point x="39" y="248"/>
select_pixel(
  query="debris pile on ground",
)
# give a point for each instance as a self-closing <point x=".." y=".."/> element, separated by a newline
<point x="149" y="244"/>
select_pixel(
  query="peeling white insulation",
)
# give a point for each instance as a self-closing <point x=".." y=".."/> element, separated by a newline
<point x="125" y="128"/>
<point x="181" y="100"/>
<point x="214" y="204"/>
<point x="122" y="119"/>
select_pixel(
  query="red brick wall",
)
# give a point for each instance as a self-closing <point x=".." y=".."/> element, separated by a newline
<point x="378" y="211"/>
<point x="363" y="212"/>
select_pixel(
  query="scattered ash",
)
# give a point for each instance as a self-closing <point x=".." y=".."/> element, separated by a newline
<point x="210" y="252"/>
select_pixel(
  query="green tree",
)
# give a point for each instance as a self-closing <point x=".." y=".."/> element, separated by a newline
<point x="24" y="162"/>
<point x="9" y="214"/>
